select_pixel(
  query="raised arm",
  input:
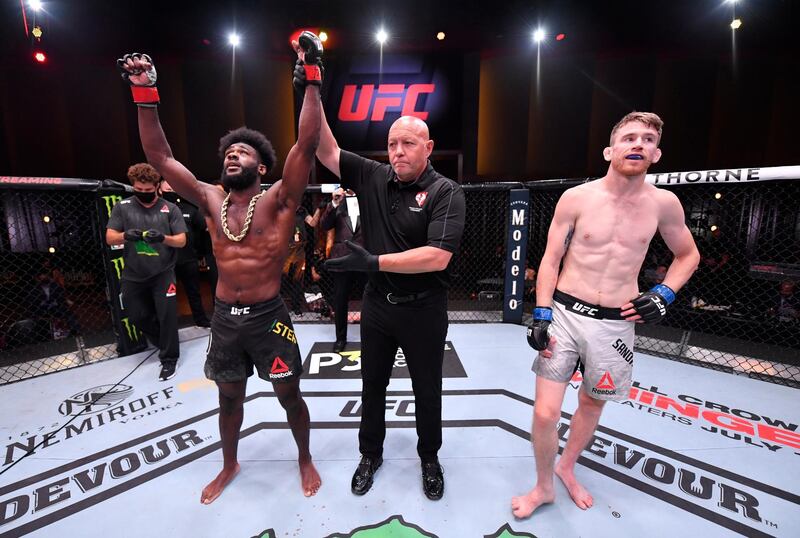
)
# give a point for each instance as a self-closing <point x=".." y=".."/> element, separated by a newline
<point x="140" y="72"/>
<point x="328" y="151"/>
<point x="308" y="78"/>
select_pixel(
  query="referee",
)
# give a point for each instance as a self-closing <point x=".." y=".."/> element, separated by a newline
<point x="412" y="218"/>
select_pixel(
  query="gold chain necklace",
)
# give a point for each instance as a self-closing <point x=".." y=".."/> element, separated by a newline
<point x="224" y="217"/>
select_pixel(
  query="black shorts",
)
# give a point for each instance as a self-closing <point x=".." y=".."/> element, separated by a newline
<point x="260" y="335"/>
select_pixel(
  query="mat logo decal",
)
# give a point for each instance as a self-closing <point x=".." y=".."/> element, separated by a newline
<point x="95" y="399"/>
<point x="394" y="526"/>
<point x="507" y="532"/>
<point x="103" y="412"/>
<point x="52" y="496"/>
<point x="753" y="429"/>
<point x="322" y="363"/>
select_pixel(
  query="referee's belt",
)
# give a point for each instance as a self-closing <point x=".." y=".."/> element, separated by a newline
<point x="576" y="306"/>
<point x="396" y="298"/>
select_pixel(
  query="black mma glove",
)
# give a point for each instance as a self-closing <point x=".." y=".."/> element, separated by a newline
<point x="142" y="79"/>
<point x="309" y="71"/>
<point x="153" y="236"/>
<point x="358" y="260"/>
<point x="132" y="235"/>
<point x="538" y="334"/>
<point x="652" y="305"/>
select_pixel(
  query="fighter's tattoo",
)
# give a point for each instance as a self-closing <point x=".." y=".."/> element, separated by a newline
<point x="568" y="239"/>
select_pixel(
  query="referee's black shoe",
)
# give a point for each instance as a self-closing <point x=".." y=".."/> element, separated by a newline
<point x="362" y="478"/>
<point x="432" y="480"/>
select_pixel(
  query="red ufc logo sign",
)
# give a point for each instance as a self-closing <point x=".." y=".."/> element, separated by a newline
<point x="388" y="95"/>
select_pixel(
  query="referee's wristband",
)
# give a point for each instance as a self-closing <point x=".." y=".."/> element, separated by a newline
<point x="664" y="291"/>
<point x="544" y="313"/>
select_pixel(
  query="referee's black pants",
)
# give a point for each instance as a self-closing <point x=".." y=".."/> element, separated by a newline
<point x="152" y="306"/>
<point x="342" y="284"/>
<point x="419" y="328"/>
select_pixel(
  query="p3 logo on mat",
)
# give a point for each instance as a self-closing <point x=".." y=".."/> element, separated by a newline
<point x="323" y="363"/>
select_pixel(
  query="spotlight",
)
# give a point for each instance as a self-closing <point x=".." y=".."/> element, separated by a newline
<point x="323" y="36"/>
<point x="736" y="24"/>
<point x="51" y="250"/>
<point x="440" y="36"/>
<point x="40" y="57"/>
<point x="381" y="36"/>
<point x="538" y="35"/>
<point x="714" y="228"/>
<point x="46" y="218"/>
<point x="234" y="39"/>
<point x="718" y="195"/>
<point x="561" y="37"/>
<point x="36" y="5"/>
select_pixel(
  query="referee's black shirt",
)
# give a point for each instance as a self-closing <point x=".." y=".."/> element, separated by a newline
<point x="397" y="216"/>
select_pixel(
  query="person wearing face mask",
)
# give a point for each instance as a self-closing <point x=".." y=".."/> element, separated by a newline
<point x="152" y="230"/>
<point x="186" y="268"/>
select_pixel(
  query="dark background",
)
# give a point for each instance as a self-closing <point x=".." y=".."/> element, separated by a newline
<point x="72" y="116"/>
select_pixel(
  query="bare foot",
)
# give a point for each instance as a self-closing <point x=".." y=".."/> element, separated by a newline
<point x="524" y="505"/>
<point x="214" y="489"/>
<point x="581" y="497"/>
<point x="310" y="479"/>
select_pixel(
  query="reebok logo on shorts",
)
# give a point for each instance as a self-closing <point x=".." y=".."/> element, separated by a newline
<point x="605" y="386"/>
<point x="171" y="290"/>
<point x="279" y="369"/>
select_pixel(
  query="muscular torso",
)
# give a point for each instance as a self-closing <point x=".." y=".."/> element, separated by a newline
<point x="609" y="243"/>
<point x="250" y="270"/>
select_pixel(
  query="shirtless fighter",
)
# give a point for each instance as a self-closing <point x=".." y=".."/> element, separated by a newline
<point x="250" y="231"/>
<point x="602" y="230"/>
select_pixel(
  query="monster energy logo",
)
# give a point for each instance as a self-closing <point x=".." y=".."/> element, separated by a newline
<point x="133" y="332"/>
<point x="119" y="265"/>
<point x="111" y="201"/>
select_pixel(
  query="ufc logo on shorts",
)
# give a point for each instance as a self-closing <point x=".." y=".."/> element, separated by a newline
<point x="240" y="311"/>
<point x="584" y="309"/>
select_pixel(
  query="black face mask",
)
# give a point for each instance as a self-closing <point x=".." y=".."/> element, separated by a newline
<point x="145" y="197"/>
<point x="170" y="197"/>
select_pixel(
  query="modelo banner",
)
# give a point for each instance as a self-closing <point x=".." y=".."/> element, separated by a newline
<point x="364" y="96"/>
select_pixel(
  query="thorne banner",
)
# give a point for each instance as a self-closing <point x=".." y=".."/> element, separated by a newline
<point x="731" y="176"/>
<point x="365" y="94"/>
